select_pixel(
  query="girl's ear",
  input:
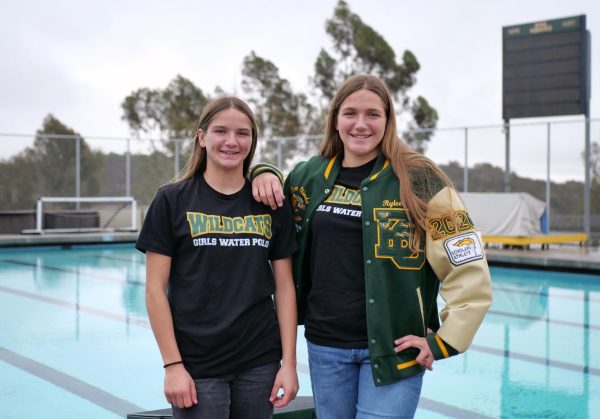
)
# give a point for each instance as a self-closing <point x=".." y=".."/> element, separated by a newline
<point x="201" y="135"/>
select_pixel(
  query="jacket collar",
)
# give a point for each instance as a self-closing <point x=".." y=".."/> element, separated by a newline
<point x="331" y="168"/>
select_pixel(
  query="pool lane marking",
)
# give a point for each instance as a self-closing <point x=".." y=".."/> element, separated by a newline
<point x="69" y="383"/>
<point x="425" y="403"/>
<point x="122" y="407"/>
<point x="137" y="262"/>
<point x="449" y="410"/>
<point x="140" y="283"/>
<point x="78" y="307"/>
<point x="537" y="360"/>
<point x="545" y="320"/>
<point x="547" y="295"/>
<point x="73" y="271"/>
<point x="146" y="324"/>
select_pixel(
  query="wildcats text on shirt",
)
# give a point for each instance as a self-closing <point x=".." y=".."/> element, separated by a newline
<point x="201" y="224"/>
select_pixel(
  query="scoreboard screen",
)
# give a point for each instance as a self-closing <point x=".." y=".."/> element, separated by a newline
<point x="546" y="68"/>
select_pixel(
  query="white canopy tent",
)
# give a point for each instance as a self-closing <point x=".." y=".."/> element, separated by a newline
<point x="505" y="214"/>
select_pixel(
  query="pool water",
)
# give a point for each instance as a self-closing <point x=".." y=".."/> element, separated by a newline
<point x="75" y="342"/>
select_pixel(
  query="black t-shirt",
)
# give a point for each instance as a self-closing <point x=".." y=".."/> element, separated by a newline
<point x="336" y="314"/>
<point x="221" y="282"/>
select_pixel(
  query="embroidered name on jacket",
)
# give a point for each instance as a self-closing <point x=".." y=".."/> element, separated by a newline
<point x="300" y="200"/>
<point x="393" y="239"/>
<point x="201" y="223"/>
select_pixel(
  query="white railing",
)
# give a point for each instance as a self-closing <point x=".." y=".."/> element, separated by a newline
<point x="39" y="213"/>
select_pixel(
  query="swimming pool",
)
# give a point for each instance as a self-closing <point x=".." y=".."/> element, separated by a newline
<point x="75" y="342"/>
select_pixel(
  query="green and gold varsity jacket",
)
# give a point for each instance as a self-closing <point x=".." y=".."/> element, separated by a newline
<point x="401" y="286"/>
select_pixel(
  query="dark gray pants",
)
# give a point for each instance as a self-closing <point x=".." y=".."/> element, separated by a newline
<point x="234" y="396"/>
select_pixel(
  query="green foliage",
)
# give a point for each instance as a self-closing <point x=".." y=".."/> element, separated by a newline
<point x="420" y="129"/>
<point x="324" y="79"/>
<point x="168" y="113"/>
<point x="280" y="112"/>
<point x="48" y="167"/>
<point x="359" y="48"/>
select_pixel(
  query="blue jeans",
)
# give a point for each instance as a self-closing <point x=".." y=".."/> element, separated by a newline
<point x="343" y="386"/>
<point x="236" y="396"/>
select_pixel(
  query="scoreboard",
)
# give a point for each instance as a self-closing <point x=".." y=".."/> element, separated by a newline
<point x="546" y="68"/>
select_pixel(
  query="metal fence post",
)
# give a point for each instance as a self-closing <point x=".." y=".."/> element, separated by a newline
<point x="77" y="169"/>
<point x="466" y="168"/>
<point x="587" y="227"/>
<point x="279" y="153"/>
<point x="507" y="156"/>
<point x="128" y="169"/>
<point x="176" y="157"/>
<point x="547" y="227"/>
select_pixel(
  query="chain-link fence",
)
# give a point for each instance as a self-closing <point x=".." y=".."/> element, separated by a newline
<point x="545" y="159"/>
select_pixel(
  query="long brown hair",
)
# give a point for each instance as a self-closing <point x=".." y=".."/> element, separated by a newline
<point x="197" y="160"/>
<point x="407" y="163"/>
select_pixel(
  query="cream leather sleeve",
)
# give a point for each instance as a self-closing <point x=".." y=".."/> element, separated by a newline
<point x="455" y="252"/>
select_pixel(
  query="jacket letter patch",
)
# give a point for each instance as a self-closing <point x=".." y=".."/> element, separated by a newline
<point x="463" y="248"/>
<point x="393" y="236"/>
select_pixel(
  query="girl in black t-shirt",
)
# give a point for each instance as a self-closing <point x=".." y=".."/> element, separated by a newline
<point x="215" y="258"/>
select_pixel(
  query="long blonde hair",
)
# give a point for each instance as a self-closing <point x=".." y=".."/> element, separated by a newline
<point x="407" y="163"/>
<point x="196" y="162"/>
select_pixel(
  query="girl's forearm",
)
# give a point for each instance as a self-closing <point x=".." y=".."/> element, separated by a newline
<point x="285" y="301"/>
<point x="285" y="305"/>
<point x="161" y="322"/>
<point x="159" y="312"/>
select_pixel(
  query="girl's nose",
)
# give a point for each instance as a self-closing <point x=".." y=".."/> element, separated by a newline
<point x="361" y="121"/>
<point x="230" y="138"/>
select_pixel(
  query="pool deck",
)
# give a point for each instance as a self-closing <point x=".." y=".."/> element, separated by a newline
<point x="66" y="239"/>
<point x="555" y="257"/>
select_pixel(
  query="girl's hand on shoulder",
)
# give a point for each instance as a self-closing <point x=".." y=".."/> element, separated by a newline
<point x="266" y="188"/>
<point x="287" y="380"/>
<point x="180" y="388"/>
<point x="425" y="357"/>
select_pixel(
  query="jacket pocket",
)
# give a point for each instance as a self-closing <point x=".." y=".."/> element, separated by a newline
<point x="400" y="314"/>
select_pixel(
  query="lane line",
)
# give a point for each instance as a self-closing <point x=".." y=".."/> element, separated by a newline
<point x="537" y="360"/>
<point x="69" y="383"/>
<point x="145" y="323"/>
<point x="73" y="272"/>
<point x="545" y="320"/>
<point x="449" y="410"/>
<point x="79" y="307"/>
<point x="546" y="294"/>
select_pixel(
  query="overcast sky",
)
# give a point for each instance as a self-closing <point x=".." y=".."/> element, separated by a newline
<point x="79" y="59"/>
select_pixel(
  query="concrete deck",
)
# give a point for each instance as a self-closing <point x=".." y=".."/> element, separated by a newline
<point x="564" y="257"/>
<point x="64" y="239"/>
<point x="558" y="257"/>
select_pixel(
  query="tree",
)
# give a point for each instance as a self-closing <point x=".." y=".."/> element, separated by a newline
<point x="358" y="48"/>
<point x="420" y="128"/>
<point x="47" y="168"/>
<point x="170" y="113"/>
<point x="280" y="112"/>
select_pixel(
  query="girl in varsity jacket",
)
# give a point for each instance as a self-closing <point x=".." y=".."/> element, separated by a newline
<point x="214" y="259"/>
<point x="381" y="232"/>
